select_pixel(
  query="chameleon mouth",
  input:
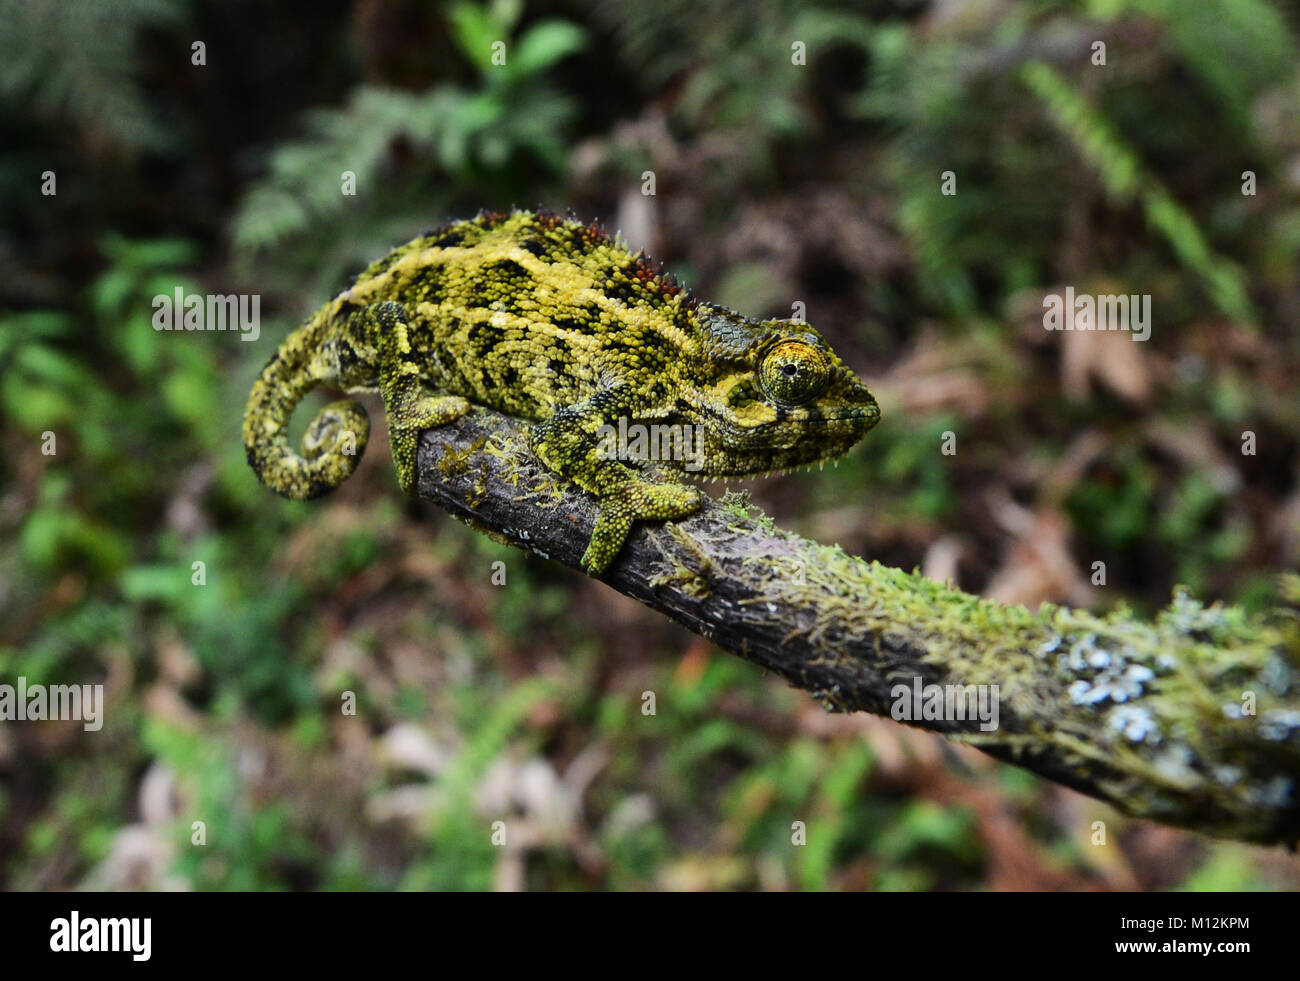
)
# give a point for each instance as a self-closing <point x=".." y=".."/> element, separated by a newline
<point x="707" y="477"/>
<point x="869" y="413"/>
<point x="846" y="417"/>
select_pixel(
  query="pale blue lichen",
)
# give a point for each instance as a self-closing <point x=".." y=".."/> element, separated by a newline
<point x="1175" y="765"/>
<point x="1276" y="676"/>
<point x="1135" y="723"/>
<point x="1279" y="724"/>
<point x="1114" y="684"/>
<point x="1228" y="775"/>
<point x="1278" y="792"/>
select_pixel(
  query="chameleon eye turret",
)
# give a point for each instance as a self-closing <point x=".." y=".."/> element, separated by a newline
<point x="794" y="373"/>
<point x="551" y="320"/>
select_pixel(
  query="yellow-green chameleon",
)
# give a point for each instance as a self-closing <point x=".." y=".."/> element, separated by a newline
<point x="549" y="319"/>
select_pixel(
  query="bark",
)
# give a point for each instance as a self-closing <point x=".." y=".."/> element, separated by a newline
<point x="1191" y="719"/>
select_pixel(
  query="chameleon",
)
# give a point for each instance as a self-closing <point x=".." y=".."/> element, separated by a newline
<point x="549" y="319"/>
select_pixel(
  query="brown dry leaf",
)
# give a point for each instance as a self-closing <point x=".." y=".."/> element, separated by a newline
<point x="1068" y="471"/>
<point x="942" y="558"/>
<point x="164" y="702"/>
<point x="925" y="382"/>
<point x="1111" y="358"/>
<point x="899" y="748"/>
<point x="1106" y="859"/>
<point x="1038" y="567"/>
<point x="1195" y="447"/>
<point x="177" y="663"/>
<point x="695" y="659"/>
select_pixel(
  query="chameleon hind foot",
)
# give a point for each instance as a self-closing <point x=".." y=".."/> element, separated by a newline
<point x="640" y="500"/>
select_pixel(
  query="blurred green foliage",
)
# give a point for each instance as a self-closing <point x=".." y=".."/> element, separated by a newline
<point x="499" y="137"/>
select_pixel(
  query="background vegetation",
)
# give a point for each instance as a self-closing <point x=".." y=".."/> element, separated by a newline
<point x="775" y="183"/>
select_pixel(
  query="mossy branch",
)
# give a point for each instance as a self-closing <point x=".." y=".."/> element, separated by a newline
<point x="1192" y="719"/>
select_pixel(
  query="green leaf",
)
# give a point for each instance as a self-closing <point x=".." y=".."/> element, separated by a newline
<point x="544" y="44"/>
<point x="475" y="31"/>
<point x="155" y="582"/>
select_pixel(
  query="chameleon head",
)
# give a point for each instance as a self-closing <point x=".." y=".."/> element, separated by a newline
<point x="780" y="398"/>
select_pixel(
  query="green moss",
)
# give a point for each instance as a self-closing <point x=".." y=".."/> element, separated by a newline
<point x="1152" y="711"/>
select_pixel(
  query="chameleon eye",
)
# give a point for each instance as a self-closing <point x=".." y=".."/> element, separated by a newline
<point x="793" y="373"/>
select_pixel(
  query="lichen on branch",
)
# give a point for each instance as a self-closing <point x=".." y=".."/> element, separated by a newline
<point x="1192" y="719"/>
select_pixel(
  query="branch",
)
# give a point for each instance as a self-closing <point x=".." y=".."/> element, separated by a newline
<point x="1192" y="719"/>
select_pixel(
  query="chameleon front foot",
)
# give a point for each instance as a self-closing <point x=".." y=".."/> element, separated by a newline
<point x="640" y="501"/>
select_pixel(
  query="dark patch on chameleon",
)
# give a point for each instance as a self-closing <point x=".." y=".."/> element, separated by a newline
<point x="555" y="366"/>
<point x="508" y="271"/>
<point x="624" y="292"/>
<point x="482" y="293"/>
<point x="348" y="357"/>
<point x="633" y="345"/>
<point x="579" y="239"/>
<point x="482" y="338"/>
<point x="448" y="240"/>
<point x="740" y="396"/>
<point x="433" y="279"/>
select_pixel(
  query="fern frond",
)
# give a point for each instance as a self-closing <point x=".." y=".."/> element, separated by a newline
<point x="77" y="62"/>
<point x="1124" y="179"/>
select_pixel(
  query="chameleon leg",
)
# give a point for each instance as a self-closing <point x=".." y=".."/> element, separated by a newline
<point x="411" y="406"/>
<point x="568" y="443"/>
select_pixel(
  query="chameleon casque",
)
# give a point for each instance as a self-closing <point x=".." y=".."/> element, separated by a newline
<point x="548" y="319"/>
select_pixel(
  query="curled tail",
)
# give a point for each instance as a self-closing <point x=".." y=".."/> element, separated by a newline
<point x="334" y="441"/>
